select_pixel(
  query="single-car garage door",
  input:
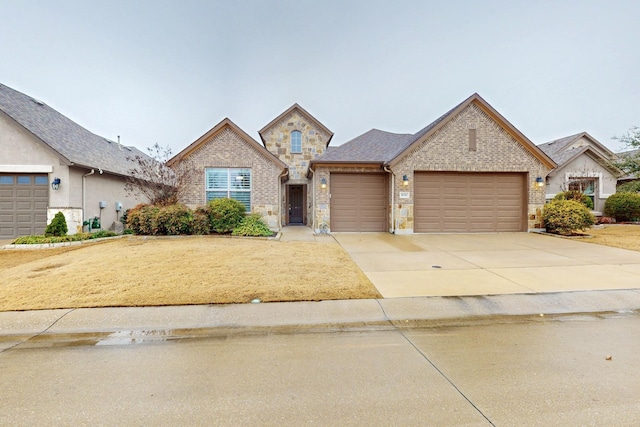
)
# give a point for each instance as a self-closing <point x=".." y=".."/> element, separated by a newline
<point x="358" y="202"/>
<point x="23" y="204"/>
<point x="469" y="202"/>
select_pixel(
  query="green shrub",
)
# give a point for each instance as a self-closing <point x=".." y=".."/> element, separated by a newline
<point x="57" y="226"/>
<point x="225" y="214"/>
<point x="623" y="206"/>
<point x="173" y="220"/>
<point x="629" y="187"/>
<point x="143" y="219"/>
<point x="566" y="217"/>
<point x="200" y="224"/>
<point x="42" y="239"/>
<point x="578" y="196"/>
<point x="252" y="225"/>
<point x="102" y="233"/>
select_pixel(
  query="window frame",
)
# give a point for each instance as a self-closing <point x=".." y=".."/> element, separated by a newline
<point x="229" y="187"/>
<point x="298" y="149"/>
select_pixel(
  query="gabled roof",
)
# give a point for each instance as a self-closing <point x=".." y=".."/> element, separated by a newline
<point x="563" y="151"/>
<point x="226" y="123"/>
<point x="302" y="111"/>
<point x="476" y="99"/>
<point x="374" y="146"/>
<point x="75" y="144"/>
<point x="385" y="148"/>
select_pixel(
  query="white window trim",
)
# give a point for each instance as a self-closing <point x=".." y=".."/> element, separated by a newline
<point x="229" y="190"/>
<point x="291" y="137"/>
<point x="599" y="175"/>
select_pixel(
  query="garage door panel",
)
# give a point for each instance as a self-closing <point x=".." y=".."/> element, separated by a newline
<point x="358" y="202"/>
<point x="469" y="202"/>
<point x="23" y="204"/>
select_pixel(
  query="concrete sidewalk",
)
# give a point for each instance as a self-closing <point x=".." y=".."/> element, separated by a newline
<point x="139" y="322"/>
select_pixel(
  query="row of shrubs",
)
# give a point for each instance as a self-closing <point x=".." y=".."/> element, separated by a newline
<point x="570" y="211"/>
<point x="219" y="216"/>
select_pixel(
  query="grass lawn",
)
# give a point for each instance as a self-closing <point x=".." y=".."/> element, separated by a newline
<point x="134" y="271"/>
<point x="619" y="236"/>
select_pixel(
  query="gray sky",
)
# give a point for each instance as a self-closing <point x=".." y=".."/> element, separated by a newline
<point x="168" y="71"/>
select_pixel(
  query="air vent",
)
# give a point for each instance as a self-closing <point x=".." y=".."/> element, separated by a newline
<point x="40" y="103"/>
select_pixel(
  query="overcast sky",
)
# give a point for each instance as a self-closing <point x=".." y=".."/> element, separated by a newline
<point x="167" y="71"/>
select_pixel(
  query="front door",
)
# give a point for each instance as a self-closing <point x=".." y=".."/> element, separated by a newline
<point x="296" y="204"/>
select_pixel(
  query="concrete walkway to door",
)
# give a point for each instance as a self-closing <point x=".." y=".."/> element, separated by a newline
<point x="488" y="264"/>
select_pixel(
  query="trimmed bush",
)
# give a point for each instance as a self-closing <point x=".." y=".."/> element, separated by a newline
<point x="173" y="220"/>
<point x="225" y="215"/>
<point x="252" y="225"/>
<point x="575" y="195"/>
<point x="623" y="207"/>
<point x="566" y="217"/>
<point x="200" y="223"/>
<point x="34" y="240"/>
<point x="57" y="227"/>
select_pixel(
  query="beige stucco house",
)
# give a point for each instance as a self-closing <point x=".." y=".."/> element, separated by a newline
<point x="585" y="165"/>
<point x="468" y="171"/>
<point x="48" y="163"/>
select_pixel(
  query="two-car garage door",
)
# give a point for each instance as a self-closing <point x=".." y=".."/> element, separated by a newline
<point x="469" y="202"/>
<point x="23" y="204"/>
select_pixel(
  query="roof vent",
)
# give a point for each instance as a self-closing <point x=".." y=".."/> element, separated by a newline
<point x="40" y="103"/>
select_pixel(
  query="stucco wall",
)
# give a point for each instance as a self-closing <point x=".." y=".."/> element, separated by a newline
<point x="227" y="149"/>
<point x="448" y="150"/>
<point x="587" y="167"/>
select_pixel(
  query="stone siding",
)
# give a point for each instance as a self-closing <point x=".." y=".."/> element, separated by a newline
<point x="227" y="149"/>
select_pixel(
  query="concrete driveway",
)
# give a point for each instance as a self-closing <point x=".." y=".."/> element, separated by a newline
<point x="488" y="264"/>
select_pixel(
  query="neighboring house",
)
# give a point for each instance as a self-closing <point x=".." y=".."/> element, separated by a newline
<point x="468" y="171"/>
<point x="48" y="163"/>
<point x="585" y="165"/>
<point x="625" y="178"/>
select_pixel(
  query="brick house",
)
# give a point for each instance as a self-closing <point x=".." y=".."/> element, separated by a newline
<point x="468" y="171"/>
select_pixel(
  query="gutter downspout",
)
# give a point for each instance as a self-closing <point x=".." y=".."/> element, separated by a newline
<point x="313" y="200"/>
<point x="393" y="201"/>
<point x="282" y="175"/>
<point x="84" y="216"/>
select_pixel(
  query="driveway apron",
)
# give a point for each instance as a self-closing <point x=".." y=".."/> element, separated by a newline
<point x="488" y="264"/>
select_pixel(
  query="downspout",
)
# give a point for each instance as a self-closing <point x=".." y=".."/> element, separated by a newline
<point x="393" y="194"/>
<point x="84" y="218"/>
<point x="313" y="200"/>
<point x="282" y="175"/>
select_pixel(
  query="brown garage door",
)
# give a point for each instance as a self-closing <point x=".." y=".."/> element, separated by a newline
<point x="469" y="202"/>
<point x="23" y="204"/>
<point x="358" y="202"/>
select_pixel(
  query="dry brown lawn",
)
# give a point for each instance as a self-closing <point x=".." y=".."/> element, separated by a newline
<point x="619" y="236"/>
<point x="134" y="271"/>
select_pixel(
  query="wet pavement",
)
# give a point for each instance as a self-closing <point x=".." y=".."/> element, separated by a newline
<point x="569" y="370"/>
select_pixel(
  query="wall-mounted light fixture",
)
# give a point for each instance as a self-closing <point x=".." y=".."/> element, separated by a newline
<point x="55" y="184"/>
<point x="323" y="183"/>
<point x="405" y="180"/>
<point x="539" y="182"/>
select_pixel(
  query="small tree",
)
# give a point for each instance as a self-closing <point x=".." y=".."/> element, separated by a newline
<point x="57" y="227"/>
<point x="152" y="179"/>
<point x="630" y="163"/>
<point x="566" y="217"/>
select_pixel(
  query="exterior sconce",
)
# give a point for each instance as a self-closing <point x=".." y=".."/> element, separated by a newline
<point x="539" y="182"/>
<point x="55" y="184"/>
<point x="405" y="180"/>
<point x="323" y="183"/>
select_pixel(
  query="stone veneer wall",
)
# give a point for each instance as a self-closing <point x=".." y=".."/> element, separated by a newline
<point x="314" y="143"/>
<point x="448" y="150"/>
<point x="227" y="149"/>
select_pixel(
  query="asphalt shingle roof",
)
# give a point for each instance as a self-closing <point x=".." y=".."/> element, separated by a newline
<point x="73" y="142"/>
<point x="556" y="149"/>
<point x="373" y="146"/>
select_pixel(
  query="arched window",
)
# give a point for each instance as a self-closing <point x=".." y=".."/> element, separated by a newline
<point x="296" y="141"/>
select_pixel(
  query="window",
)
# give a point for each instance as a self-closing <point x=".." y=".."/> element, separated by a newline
<point x="230" y="183"/>
<point x="23" y="179"/>
<point x="4" y="180"/>
<point x="42" y="180"/>
<point x="584" y="185"/>
<point x="296" y="142"/>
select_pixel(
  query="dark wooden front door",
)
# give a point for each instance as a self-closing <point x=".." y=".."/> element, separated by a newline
<point x="296" y="204"/>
